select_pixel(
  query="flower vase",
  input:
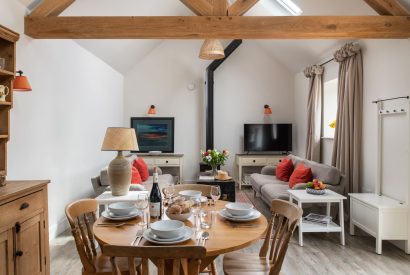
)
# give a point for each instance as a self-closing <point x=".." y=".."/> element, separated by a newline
<point x="214" y="170"/>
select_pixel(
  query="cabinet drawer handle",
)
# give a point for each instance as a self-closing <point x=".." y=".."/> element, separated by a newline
<point x="254" y="161"/>
<point x="19" y="253"/>
<point x="24" y="205"/>
<point x="18" y="227"/>
<point x="166" y="161"/>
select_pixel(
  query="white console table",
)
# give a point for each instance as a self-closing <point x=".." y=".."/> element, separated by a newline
<point x="246" y="160"/>
<point x="381" y="217"/>
<point x="166" y="160"/>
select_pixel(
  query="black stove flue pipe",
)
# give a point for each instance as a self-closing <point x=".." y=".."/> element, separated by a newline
<point x="210" y="91"/>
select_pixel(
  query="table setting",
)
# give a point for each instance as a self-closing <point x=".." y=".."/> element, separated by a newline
<point x="187" y="220"/>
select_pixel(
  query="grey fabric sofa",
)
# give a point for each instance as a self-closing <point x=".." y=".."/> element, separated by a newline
<point x="269" y="187"/>
<point x="101" y="183"/>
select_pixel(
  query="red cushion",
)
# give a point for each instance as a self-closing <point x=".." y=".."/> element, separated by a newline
<point x="136" y="177"/>
<point x="284" y="170"/>
<point x="142" y="167"/>
<point x="301" y="174"/>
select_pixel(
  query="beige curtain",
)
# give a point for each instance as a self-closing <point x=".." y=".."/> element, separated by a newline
<point x="347" y="143"/>
<point x="314" y="112"/>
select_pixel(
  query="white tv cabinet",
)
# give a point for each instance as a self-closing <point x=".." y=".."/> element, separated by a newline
<point x="166" y="160"/>
<point x="381" y="217"/>
<point x="248" y="160"/>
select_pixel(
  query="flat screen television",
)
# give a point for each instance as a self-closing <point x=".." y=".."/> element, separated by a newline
<point x="268" y="137"/>
<point x="154" y="133"/>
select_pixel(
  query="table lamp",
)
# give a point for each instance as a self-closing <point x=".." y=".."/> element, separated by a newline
<point x="119" y="170"/>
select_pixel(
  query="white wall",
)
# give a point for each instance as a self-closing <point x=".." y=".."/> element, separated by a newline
<point x="386" y="69"/>
<point x="243" y="84"/>
<point x="57" y="129"/>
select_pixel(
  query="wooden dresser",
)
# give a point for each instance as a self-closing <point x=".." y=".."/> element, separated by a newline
<point x="24" y="248"/>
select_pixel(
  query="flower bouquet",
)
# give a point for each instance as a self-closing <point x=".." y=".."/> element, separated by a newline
<point x="214" y="158"/>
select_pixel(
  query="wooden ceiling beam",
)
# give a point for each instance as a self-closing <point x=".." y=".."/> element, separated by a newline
<point x="240" y="7"/>
<point x="51" y="7"/>
<point x="218" y="27"/>
<point x="199" y="7"/>
<point x="388" y="7"/>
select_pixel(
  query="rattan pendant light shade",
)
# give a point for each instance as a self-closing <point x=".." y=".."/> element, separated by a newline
<point x="212" y="49"/>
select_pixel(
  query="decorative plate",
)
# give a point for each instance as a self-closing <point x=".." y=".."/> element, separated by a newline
<point x="315" y="192"/>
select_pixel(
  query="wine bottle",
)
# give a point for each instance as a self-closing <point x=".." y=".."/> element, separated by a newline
<point x="155" y="199"/>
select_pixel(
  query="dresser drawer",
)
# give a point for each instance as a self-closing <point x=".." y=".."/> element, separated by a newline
<point x="149" y="161"/>
<point x="12" y="211"/>
<point x="273" y="161"/>
<point x="254" y="161"/>
<point x="166" y="161"/>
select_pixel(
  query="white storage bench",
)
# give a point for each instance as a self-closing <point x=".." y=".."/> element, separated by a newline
<point x="381" y="217"/>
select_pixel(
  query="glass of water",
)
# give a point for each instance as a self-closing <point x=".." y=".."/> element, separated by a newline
<point x="196" y="210"/>
<point x="142" y="204"/>
<point x="206" y="218"/>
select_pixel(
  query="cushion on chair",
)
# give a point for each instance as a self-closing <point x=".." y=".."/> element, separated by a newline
<point x="245" y="263"/>
<point x="301" y="174"/>
<point x="284" y="170"/>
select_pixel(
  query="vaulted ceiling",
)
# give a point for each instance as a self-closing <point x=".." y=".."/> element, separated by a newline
<point x="123" y="55"/>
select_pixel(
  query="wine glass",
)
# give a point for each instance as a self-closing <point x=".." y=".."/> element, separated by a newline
<point x="196" y="210"/>
<point x="142" y="204"/>
<point x="169" y="192"/>
<point x="215" y="193"/>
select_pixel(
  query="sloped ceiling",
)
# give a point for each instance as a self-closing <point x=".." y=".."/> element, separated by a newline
<point x="123" y="55"/>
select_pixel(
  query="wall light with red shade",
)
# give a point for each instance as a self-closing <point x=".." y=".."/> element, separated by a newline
<point x="267" y="110"/>
<point x="21" y="84"/>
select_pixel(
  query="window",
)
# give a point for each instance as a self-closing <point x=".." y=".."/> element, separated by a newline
<point x="329" y="108"/>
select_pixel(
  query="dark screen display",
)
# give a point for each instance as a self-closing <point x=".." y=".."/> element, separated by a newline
<point x="267" y="137"/>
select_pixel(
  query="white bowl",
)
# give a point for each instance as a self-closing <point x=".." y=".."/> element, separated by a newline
<point x="121" y="208"/>
<point x="179" y="217"/>
<point x="239" y="208"/>
<point x="167" y="229"/>
<point x="190" y="194"/>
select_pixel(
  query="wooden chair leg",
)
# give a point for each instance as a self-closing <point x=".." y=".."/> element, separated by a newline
<point x="213" y="268"/>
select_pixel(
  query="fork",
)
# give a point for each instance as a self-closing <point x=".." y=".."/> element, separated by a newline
<point x="138" y="237"/>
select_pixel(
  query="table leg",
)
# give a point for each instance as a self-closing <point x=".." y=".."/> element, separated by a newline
<point x="351" y="224"/>
<point x="206" y="262"/>
<point x="98" y="210"/>
<point x="342" y="223"/>
<point x="328" y="209"/>
<point x="240" y="177"/>
<point x="300" y="227"/>
<point x="378" y="244"/>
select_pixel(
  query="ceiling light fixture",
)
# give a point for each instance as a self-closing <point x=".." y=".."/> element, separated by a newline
<point x="290" y="7"/>
<point x="212" y="49"/>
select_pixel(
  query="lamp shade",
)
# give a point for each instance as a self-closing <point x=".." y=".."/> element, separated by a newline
<point x="267" y="110"/>
<point x="21" y="83"/>
<point x="120" y="139"/>
<point x="212" y="49"/>
<point x="152" y="110"/>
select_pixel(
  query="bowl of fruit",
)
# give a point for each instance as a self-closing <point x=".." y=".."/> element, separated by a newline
<point x="316" y="187"/>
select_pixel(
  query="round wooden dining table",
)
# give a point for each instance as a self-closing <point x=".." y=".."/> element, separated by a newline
<point x="224" y="236"/>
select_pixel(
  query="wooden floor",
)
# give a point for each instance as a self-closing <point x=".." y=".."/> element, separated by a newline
<point x="321" y="254"/>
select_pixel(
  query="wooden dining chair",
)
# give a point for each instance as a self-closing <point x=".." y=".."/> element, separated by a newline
<point x="81" y="215"/>
<point x="168" y="259"/>
<point x="205" y="189"/>
<point x="285" y="216"/>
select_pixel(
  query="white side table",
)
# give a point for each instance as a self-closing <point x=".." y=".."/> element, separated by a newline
<point x="106" y="198"/>
<point x="329" y="197"/>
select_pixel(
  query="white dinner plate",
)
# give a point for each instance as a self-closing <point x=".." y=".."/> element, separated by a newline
<point x="108" y="215"/>
<point x="255" y="214"/>
<point x="149" y="236"/>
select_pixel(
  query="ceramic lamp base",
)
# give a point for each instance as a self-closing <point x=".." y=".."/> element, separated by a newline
<point x="119" y="173"/>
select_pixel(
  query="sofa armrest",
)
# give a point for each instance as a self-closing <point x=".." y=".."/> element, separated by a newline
<point x="98" y="188"/>
<point x="269" y="170"/>
<point x="299" y="186"/>
<point x="341" y="187"/>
